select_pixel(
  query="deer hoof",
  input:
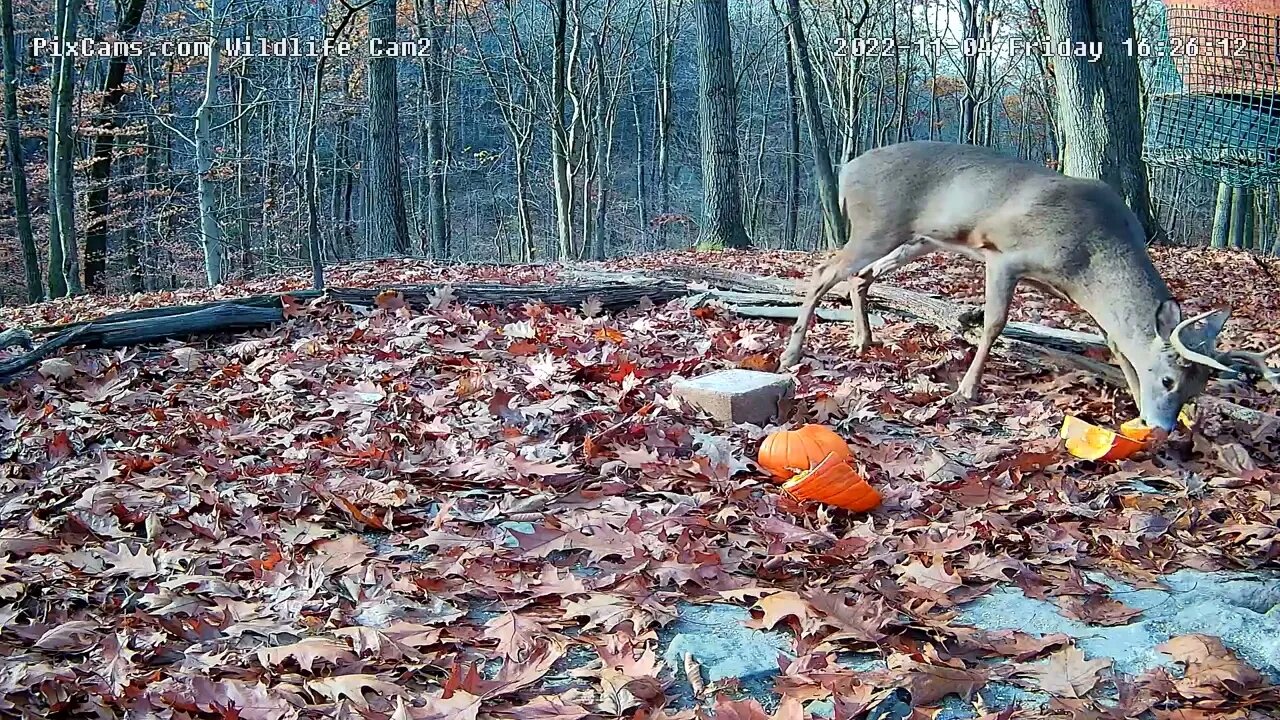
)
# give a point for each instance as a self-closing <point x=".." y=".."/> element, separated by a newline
<point x="962" y="396"/>
<point x="861" y="346"/>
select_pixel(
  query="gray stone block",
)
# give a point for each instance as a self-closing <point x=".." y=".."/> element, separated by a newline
<point x="738" y="396"/>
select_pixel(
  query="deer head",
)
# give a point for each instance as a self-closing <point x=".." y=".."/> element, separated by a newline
<point x="1182" y="358"/>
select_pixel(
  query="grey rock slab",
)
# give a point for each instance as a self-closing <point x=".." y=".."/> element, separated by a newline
<point x="1236" y="607"/>
<point x="738" y="396"/>
<point x="715" y="636"/>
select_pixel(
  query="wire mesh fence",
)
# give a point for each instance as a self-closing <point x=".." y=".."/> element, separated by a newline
<point x="1213" y="85"/>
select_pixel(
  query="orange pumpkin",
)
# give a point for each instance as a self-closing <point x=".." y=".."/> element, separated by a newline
<point x="1090" y="442"/>
<point x="834" y="482"/>
<point x="787" y="452"/>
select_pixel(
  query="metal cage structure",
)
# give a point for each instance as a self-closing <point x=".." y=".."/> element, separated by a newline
<point x="1213" y="90"/>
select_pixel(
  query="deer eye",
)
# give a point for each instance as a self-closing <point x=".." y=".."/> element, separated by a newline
<point x="1167" y="382"/>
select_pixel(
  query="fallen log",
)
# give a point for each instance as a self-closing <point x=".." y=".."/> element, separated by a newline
<point x="741" y="288"/>
<point x="612" y="296"/>
<point x="137" y="327"/>
<point x="1062" y="349"/>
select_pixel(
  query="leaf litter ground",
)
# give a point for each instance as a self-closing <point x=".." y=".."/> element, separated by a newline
<point x="453" y="512"/>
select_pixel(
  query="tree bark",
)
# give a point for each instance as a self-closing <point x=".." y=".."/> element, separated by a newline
<point x="828" y="192"/>
<point x="436" y="157"/>
<point x="386" y="224"/>
<point x="210" y="229"/>
<point x="61" y="170"/>
<point x="243" y="235"/>
<point x="17" y="170"/>
<point x="560" y="133"/>
<point x="666" y="15"/>
<point x="1098" y="101"/>
<point x="99" y="196"/>
<point x="969" y="101"/>
<point x="1222" y="217"/>
<point x="718" y="129"/>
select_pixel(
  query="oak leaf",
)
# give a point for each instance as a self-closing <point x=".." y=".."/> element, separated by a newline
<point x="305" y="653"/>
<point x="1209" y="666"/>
<point x="1068" y="674"/>
<point x="782" y="605"/>
<point x="352" y="687"/>
<point x="934" y="577"/>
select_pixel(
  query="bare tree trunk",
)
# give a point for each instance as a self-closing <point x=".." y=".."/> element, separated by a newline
<point x="560" y="133"/>
<point x="386" y="223"/>
<point x="242" y="188"/>
<point x="61" y="170"/>
<point x="969" y="101"/>
<point x="99" y="196"/>
<point x="666" y="16"/>
<point x="311" y="176"/>
<point x="602" y="131"/>
<point x="524" y="152"/>
<point x="17" y="170"/>
<point x="718" y="129"/>
<point x="436" y="157"/>
<point x="1249" y="241"/>
<point x="1099" y="103"/>
<point x="791" y="221"/>
<point x="131" y="237"/>
<point x="1222" y="216"/>
<point x="210" y="229"/>
<point x="832" y="220"/>
<point x="1240" y="201"/>
<point x="642" y="188"/>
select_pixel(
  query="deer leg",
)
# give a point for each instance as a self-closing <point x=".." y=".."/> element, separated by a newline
<point x="858" y="287"/>
<point x="861" y="283"/>
<point x="995" y="313"/>
<point x="1130" y="375"/>
<point x="849" y="261"/>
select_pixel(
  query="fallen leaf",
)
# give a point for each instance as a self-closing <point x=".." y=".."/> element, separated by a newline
<point x="353" y="687"/>
<point x="1209" y="664"/>
<point x="1067" y="673"/>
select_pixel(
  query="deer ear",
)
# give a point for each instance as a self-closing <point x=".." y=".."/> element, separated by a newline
<point x="1168" y="315"/>
<point x="1211" y="326"/>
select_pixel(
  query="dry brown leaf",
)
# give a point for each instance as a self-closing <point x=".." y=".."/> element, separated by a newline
<point x="352" y="687"/>
<point x="305" y="653"/>
<point x="1209" y="665"/>
<point x="934" y="577"/>
<point x="693" y="673"/>
<point x="781" y="605"/>
<point x="1067" y="673"/>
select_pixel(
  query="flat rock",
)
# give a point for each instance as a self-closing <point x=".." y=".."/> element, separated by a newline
<point x="715" y="636"/>
<point x="738" y="396"/>
<point x="1239" y="608"/>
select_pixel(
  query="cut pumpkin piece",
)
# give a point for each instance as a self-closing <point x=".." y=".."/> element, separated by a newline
<point x="834" y="482"/>
<point x="1090" y="442"/>
<point x="1135" y="429"/>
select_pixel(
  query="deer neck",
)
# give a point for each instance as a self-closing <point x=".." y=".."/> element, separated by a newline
<point x="1124" y="305"/>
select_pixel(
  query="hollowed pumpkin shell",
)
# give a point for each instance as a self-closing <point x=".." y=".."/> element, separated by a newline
<point x="787" y="452"/>
<point x="1090" y="442"/>
<point x="834" y="482"/>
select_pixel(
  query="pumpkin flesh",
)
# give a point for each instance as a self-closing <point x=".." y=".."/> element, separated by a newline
<point x="1090" y="442"/>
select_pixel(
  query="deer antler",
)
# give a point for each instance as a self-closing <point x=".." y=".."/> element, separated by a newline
<point x="1228" y="361"/>
<point x="1256" y="363"/>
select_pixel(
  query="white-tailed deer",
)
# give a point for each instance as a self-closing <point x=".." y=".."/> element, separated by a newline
<point x="1074" y="237"/>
